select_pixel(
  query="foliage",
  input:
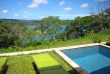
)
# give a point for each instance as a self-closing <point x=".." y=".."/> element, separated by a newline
<point x="75" y="29"/>
<point x="108" y="41"/>
<point x="7" y="35"/>
<point x="103" y="36"/>
<point x="107" y="12"/>
<point x="62" y="36"/>
<point x="51" y="25"/>
<point x="43" y="40"/>
<point x="50" y="44"/>
<point x="18" y="42"/>
<point x="30" y="33"/>
<point x="95" y="38"/>
<point x="82" y="26"/>
<point x="17" y="37"/>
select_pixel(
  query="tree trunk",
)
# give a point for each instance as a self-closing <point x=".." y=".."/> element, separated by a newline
<point x="102" y="27"/>
<point x="54" y="37"/>
<point x="109" y="21"/>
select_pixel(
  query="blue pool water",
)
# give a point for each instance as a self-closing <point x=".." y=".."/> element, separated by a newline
<point x="94" y="59"/>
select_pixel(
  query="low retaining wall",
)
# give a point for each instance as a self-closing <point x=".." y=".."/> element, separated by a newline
<point x="36" y="51"/>
<point x="25" y="52"/>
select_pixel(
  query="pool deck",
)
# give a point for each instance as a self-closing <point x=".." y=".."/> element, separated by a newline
<point x="71" y="62"/>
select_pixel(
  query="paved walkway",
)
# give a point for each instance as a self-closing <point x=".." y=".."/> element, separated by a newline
<point x="25" y="52"/>
<point x="36" y="51"/>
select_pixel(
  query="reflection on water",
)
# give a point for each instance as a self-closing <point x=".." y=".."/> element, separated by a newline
<point x="31" y="26"/>
<point x="47" y="36"/>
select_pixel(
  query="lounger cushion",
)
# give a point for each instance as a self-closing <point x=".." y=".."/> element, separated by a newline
<point x="41" y="57"/>
<point x="45" y="62"/>
<point x="47" y="65"/>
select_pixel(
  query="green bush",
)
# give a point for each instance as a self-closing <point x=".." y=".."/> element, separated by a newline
<point x="50" y="44"/>
<point x="64" y="38"/>
<point x="10" y="49"/>
<point x="16" y="48"/>
<point x="108" y="41"/>
<point x="96" y="39"/>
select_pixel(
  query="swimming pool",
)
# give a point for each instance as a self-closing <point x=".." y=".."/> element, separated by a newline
<point x="94" y="59"/>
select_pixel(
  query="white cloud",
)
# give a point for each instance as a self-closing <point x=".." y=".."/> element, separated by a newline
<point x="19" y="3"/>
<point x="33" y="6"/>
<point x="24" y="16"/>
<point x="84" y="5"/>
<point x="71" y="16"/>
<point x="100" y="0"/>
<point x="67" y="9"/>
<point x="5" y="11"/>
<point x="35" y="3"/>
<point x="62" y="3"/>
<point x="42" y="17"/>
<point x="26" y="12"/>
<point x="40" y="1"/>
<point x="82" y="15"/>
<point x="16" y="15"/>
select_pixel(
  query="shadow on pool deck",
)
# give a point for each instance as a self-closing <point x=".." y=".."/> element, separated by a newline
<point x="35" y="68"/>
<point x="73" y="72"/>
<point x="37" y="71"/>
<point x="5" y="69"/>
<point x="105" y="70"/>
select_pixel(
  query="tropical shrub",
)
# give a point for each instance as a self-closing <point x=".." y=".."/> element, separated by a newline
<point x="108" y="41"/>
<point x="95" y="38"/>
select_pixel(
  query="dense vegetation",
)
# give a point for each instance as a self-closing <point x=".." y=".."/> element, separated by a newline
<point x="15" y="36"/>
<point x="103" y="35"/>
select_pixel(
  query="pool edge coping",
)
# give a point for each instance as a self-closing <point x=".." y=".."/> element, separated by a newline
<point x="71" y="62"/>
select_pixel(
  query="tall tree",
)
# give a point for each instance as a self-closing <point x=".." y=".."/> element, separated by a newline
<point x="107" y="13"/>
<point x="98" y="12"/>
<point x="7" y="35"/>
<point x="30" y="33"/>
<point x="52" y="25"/>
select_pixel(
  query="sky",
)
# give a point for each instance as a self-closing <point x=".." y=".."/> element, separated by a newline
<point x="38" y="9"/>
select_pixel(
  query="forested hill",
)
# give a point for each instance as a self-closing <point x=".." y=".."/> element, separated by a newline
<point x="12" y="21"/>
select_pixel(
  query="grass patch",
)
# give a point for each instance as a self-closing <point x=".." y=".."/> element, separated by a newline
<point x="20" y="65"/>
<point x="23" y="64"/>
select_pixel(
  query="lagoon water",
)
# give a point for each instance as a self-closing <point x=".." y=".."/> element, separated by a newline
<point x="31" y="26"/>
<point x="48" y="36"/>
